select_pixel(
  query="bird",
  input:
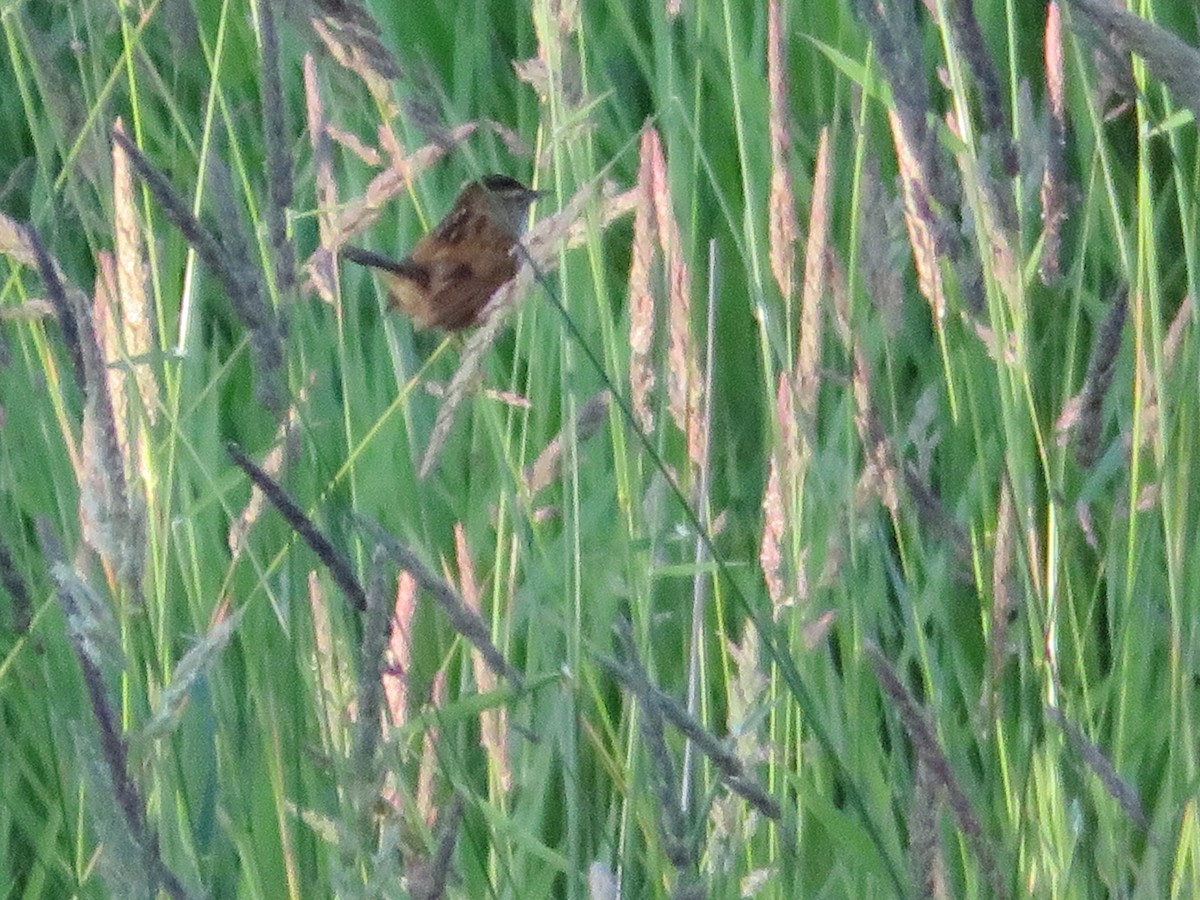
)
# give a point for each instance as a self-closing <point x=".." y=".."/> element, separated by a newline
<point x="447" y="279"/>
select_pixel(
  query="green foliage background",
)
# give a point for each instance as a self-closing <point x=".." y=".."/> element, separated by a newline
<point x="250" y="785"/>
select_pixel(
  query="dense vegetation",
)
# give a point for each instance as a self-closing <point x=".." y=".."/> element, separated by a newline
<point x="811" y="516"/>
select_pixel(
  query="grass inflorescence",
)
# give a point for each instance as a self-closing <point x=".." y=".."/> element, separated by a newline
<point x="810" y="516"/>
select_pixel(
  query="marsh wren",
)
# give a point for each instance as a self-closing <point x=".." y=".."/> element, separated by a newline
<point x="452" y="272"/>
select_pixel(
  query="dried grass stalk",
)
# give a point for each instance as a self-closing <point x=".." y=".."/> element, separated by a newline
<point x="493" y="723"/>
<point x="136" y="313"/>
<point x="920" y="222"/>
<point x="897" y="41"/>
<point x="641" y="294"/>
<point x="430" y="766"/>
<point x="966" y="33"/>
<point x="770" y="548"/>
<point x="105" y="318"/>
<point x="926" y="856"/>
<point x="320" y="267"/>
<point x="662" y="771"/>
<point x="192" y="665"/>
<point x="784" y="479"/>
<point x="243" y="281"/>
<point x="175" y="208"/>
<point x="335" y="694"/>
<point x="376" y="632"/>
<point x="338" y="565"/>
<point x="685" y="390"/>
<point x="746" y="697"/>
<point x="30" y="250"/>
<point x="808" y="358"/>
<point x="931" y="191"/>
<point x="729" y="766"/>
<point x="781" y="208"/>
<point x="353" y="39"/>
<point x="937" y="520"/>
<point x="229" y="258"/>
<point x="547" y="468"/>
<point x="880" y="475"/>
<point x="399" y="658"/>
<point x="994" y="240"/>
<point x="655" y="218"/>
<point x="111" y="511"/>
<point x="79" y="603"/>
<point x="106" y="515"/>
<point x="1054" y="178"/>
<point x="460" y="616"/>
<point x="428" y="880"/>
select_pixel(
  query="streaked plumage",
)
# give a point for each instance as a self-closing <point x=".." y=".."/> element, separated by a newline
<point x="452" y="272"/>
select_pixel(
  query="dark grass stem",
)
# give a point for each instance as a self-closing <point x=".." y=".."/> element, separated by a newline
<point x="1120" y="789"/>
<point x="429" y="882"/>
<point x="931" y="754"/>
<point x="376" y="633"/>
<point x="462" y="619"/>
<point x="228" y="258"/>
<point x="64" y="310"/>
<point x="112" y="743"/>
<point x="337" y="564"/>
<point x="672" y="825"/>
